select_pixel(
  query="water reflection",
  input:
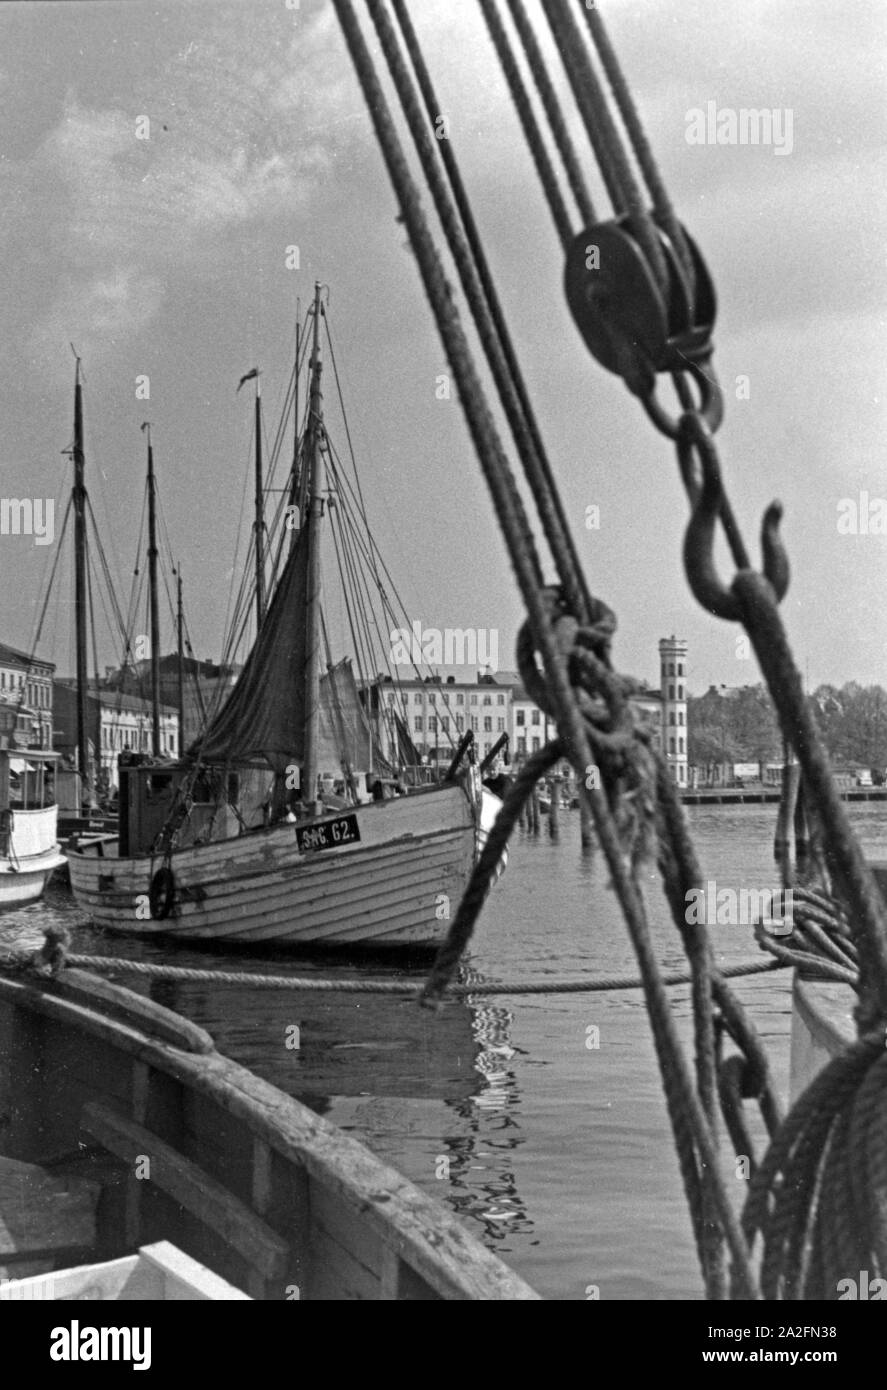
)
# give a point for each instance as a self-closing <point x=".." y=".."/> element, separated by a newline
<point x="483" y="1182"/>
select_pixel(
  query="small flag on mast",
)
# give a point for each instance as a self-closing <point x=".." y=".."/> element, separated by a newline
<point x="249" y="377"/>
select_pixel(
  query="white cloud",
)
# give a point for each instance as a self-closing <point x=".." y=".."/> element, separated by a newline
<point x="100" y="312"/>
<point x="117" y="217"/>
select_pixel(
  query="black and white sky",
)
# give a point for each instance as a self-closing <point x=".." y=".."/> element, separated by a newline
<point x="166" y="257"/>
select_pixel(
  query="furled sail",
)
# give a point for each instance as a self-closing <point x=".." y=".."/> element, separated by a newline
<point x="345" y="735"/>
<point x="263" y="719"/>
<point x="264" y="716"/>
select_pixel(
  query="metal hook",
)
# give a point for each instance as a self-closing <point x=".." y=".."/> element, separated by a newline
<point x="705" y="585"/>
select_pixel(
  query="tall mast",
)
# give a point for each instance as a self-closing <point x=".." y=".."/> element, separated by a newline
<point x="180" y="665"/>
<point x="259" y="523"/>
<point x="152" y="598"/>
<point x="80" y="592"/>
<point x="295" y="484"/>
<point x="314" y="462"/>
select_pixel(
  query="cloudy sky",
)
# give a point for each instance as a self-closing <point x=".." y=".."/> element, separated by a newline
<point x="166" y="257"/>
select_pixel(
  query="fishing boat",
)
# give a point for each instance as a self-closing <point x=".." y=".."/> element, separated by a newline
<point x="280" y="826"/>
<point x="29" y="848"/>
<point x="124" y="1130"/>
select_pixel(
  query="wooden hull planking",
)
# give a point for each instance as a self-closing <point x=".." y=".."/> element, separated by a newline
<point x="397" y="886"/>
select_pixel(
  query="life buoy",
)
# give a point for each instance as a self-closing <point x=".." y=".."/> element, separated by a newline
<point x="162" y="893"/>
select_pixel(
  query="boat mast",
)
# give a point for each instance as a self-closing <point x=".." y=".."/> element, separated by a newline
<point x="259" y="523"/>
<point x="314" y="462"/>
<point x="180" y="663"/>
<point x="152" y="599"/>
<point x="80" y="590"/>
<point x="294" y="475"/>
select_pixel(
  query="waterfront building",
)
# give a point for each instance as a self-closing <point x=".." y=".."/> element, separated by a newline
<point x="116" y="723"/>
<point x="434" y="712"/>
<point x="206" y="685"/>
<point x="673" y="685"/>
<point x="25" y="698"/>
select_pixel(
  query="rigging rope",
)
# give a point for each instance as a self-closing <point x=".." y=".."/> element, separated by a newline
<point x="604" y="136"/>
<point x="691" y="1123"/>
<point x="537" y="471"/>
<point x="532" y="132"/>
<point x="662" y="206"/>
<point x="635" y="804"/>
<point x="558" y="124"/>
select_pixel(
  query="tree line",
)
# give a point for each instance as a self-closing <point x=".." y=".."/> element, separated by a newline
<point x="740" y="725"/>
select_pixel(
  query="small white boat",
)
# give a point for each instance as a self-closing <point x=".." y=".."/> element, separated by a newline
<point x="29" y="848"/>
<point x="159" y="1273"/>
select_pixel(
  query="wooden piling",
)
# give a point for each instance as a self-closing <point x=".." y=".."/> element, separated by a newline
<point x="554" y="810"/>
<point x="586" y="822"/>
<point x="791" y="775"/>
<point x="802" y="831"/>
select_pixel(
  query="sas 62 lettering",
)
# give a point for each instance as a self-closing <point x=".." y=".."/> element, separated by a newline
<point x="329" y="835"/>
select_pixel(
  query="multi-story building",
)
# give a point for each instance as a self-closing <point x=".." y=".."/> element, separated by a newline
<point x="25" y="698"/>
<point x="435" y="712"/>
<point x="673" y="679"/>
<point x="205" y="686"/>
<point x="116" y="723"/>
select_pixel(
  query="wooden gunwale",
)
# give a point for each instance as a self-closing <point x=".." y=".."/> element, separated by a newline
<point x="413" y="1230"/>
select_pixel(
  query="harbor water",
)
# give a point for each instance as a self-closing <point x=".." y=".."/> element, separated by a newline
<point x="540" y="1119"/>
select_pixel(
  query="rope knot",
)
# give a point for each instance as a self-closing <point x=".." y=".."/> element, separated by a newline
<point x="51" y="957"/>
<point x="624" y="767"/>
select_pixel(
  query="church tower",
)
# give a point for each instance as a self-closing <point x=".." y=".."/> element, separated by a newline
<point x="673" y="679"/>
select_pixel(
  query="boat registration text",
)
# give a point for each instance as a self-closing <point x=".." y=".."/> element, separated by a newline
<point x="343" y="831"/>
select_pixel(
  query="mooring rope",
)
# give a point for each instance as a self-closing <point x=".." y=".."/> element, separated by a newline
<point x="21" y="960"/>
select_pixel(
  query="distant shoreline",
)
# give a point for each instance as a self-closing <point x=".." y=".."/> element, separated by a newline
<point x="734" y="795"/>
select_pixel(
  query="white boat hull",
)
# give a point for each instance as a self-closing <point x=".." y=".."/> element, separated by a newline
<point x="33" y="854"/>
<point x="399" y="885"/>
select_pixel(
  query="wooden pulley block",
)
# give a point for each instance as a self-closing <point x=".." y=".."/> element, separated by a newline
<point x="628" y="324"/>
